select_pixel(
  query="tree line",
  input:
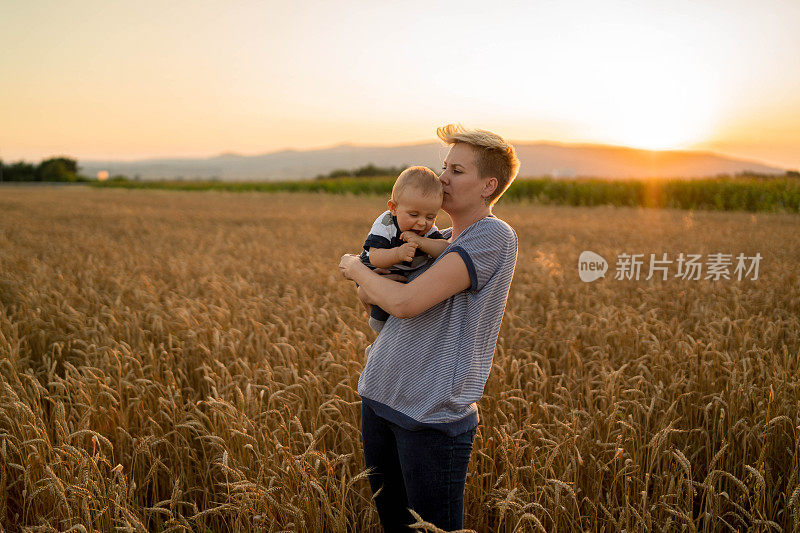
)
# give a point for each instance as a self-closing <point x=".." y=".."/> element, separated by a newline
<point x="366" y="171"/>
<point x="52" y="169"/>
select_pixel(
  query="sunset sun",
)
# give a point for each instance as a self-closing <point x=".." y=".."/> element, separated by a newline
<point x="664" y="125"/>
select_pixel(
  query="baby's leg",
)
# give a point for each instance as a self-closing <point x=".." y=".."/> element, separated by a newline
<point x="377" y="318"/>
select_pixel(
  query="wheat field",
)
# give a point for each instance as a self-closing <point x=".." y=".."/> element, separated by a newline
<point x="174" y="361"/>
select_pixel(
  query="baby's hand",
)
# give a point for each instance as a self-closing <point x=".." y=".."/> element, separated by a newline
<point x="410" y="236"/>
<point x="407" y="251"/>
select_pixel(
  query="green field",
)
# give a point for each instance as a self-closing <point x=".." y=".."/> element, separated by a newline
<point x="743" y="193"/>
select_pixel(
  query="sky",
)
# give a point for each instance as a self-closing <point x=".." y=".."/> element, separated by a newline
<point x="130" y="80"/>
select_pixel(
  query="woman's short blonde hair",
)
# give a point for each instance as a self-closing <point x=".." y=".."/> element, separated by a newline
<point x="421" y="179"/>
<point x="494" y="156"/>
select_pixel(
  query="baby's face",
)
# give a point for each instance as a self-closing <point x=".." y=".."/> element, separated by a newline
<point x="415" y="212"/>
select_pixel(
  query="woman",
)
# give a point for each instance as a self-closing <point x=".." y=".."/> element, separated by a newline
<point x="428" y="367"/>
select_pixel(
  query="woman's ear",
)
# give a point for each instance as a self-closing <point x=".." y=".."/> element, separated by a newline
<point x="489" y="187"/>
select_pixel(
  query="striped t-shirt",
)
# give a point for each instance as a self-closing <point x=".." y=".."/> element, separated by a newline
<point x="430" y="370"/>
<point x="385" y="233"/>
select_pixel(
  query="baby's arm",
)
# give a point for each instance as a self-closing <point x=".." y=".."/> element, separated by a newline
<point x="432" y="247"/>
<point x="386" y="257"/>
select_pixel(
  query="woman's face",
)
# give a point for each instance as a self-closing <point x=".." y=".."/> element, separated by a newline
<point x="461" y="183"/>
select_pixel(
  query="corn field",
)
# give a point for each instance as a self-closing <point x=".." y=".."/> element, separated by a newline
<point x="754" y="193"/>
<point x="188" y="361"/>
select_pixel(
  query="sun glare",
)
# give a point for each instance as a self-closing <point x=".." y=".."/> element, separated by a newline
<point x="648" y="96"/>
<point x="664" y="123"/>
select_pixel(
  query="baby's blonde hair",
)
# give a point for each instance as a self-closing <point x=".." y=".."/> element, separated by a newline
<point x="494" y="156"/>
<point x="422" y="179"/>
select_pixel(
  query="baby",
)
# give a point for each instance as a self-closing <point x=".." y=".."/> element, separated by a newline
<point x="404" y="238"/>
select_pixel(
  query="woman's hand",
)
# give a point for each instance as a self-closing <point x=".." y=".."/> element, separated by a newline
<point x="386" y="273"/>
<point x="349" y="264"/>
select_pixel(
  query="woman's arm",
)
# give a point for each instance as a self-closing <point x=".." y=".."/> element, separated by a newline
<point x="444" y="279"/>
<point x="385" y="274"/>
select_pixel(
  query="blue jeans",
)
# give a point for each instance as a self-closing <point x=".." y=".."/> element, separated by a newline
<point x="425" y="470"/>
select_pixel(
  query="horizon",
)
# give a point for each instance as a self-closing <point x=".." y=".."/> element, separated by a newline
<point x="415" y="143"/>
<point x="250" y="79"/>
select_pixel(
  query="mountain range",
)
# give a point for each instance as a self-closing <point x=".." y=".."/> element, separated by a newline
<point x="537" y="159"/>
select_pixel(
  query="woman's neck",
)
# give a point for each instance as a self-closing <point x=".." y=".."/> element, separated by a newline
<point x="462" y="221"/>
